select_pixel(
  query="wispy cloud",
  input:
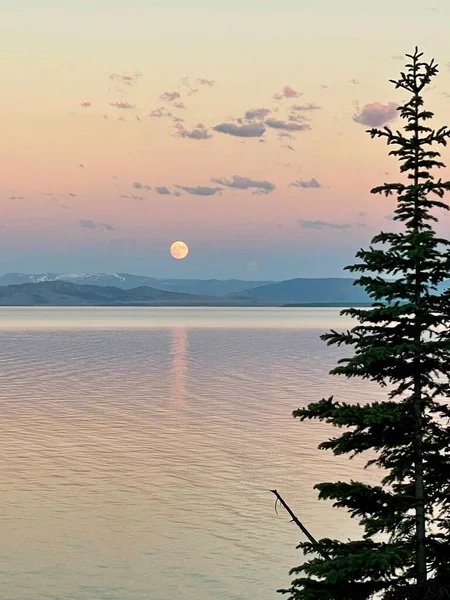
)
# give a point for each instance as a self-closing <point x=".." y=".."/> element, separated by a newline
<point x="376" y="114"/>
<point x="287" y="125"/>
<point x="396" y="57"/>
<point x="287" y="92"/>
<point x="354" y="81"/>
<point x="127" y="79"/>
<point x="257" y="113"/>
<point x="199" y="132"/>
<point x="88" y="224"/>
<point x="246" y="131"/>
<point x="244" y="183"/>
<point x="85" y="104"/>
<point x="141" y="186"/>
<point x="122" y="105"/>
<point x="160" y="112"/>
<point x="170" y="96"/>
<point x="200" y="190"/>
<point x="312" y="183"/>
<point x="305" y="107"/>
<point x="204" y="81"/>
<point x="318" y="224"/>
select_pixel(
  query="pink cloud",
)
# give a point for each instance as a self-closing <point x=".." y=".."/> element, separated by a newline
<point x="287" y="92"/>
<point x="376" y="114"/>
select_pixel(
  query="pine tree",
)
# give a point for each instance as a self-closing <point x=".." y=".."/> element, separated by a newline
<point x="402" y="342"/>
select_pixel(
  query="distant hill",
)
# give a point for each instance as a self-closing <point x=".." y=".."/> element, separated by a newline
<point x="127" y="281"/>
<point x="307" y="291"/>
<point x="64" y="293"/>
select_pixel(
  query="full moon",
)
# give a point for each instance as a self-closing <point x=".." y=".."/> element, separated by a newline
<point x="179" y="250"/>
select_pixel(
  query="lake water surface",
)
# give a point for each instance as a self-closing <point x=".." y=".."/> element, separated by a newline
<point x="138" y="447"/>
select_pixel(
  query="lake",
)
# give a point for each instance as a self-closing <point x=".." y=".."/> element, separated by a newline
<point x="138" y="447"/>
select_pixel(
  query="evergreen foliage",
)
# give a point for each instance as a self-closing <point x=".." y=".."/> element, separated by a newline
<point x="403" y="342"/>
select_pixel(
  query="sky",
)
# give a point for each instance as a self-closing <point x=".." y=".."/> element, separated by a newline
<point x="237" y="127"/>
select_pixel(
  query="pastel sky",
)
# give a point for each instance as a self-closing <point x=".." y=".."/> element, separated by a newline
<point x="236" y="126"/>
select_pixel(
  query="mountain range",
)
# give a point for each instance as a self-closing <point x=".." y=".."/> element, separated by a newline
<point x="19" y="289"/>
<point x="126" y="281"/>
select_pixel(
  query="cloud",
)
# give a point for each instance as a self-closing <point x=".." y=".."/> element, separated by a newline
<point x="257" y="113"/>
<point x="305" y="107"/>
<point x="122" y="105"/>
<point x="396" y="57"/>
<point x="160" y="112"/>
<point x="376" y="114"/>
<point x="287" y="125"/>
<point x="204" y="81"/>
<point x="244" y="183"/>
<point x="354" y="81"/>
<point x="165" y="191"/>
<point x="87" y="224"/>
<point x="317" y="224"/>
<point x="200" y="132"/>
<point x="285" y="134"/>
<point x="179" y="105"/>
<point x="200" y="190"/>
<point x="312" y="183"/>
<point x="126" y="78"/>
<point x="85" y="104"/>
<point x="170" y="96"/>
<point x="247" y="131"/>
<point x="287" y="92"/>
<point x="141" y="186"/>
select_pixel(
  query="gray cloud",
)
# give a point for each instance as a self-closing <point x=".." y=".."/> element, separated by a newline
<point x="204" y="81"/>
<point x="317" y="224"/>
<point x="87" y="224"/>
<point x="178" y="105"/>
<point x="200" y="190"/>
<point x="244" y="183"/>
<point x="122" y="105"/>
<point x="170" y="96"/>
<point x="305" y="107"/>
<point x="200" y="132"/>
<point x="396" y="57"/>
<point x="106" y="226"/>
<point x="72" y="194"/>
<point x="312" y="183"/>
<point x="141" y="186"/>
<point x="247" y="131"/>
<point x="85" y="104"/>
<point x="354" y="81"/>
<point x="287" y="125"/>
<point x="257" y="113"/>
<point x="160" y="112"/>
<point x="376" y="114"/>
<point x="287" y="92"/>
<point x="165" y="191"/>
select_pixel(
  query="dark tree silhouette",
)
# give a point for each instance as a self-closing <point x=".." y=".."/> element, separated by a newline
<point x="402" y="340"/>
